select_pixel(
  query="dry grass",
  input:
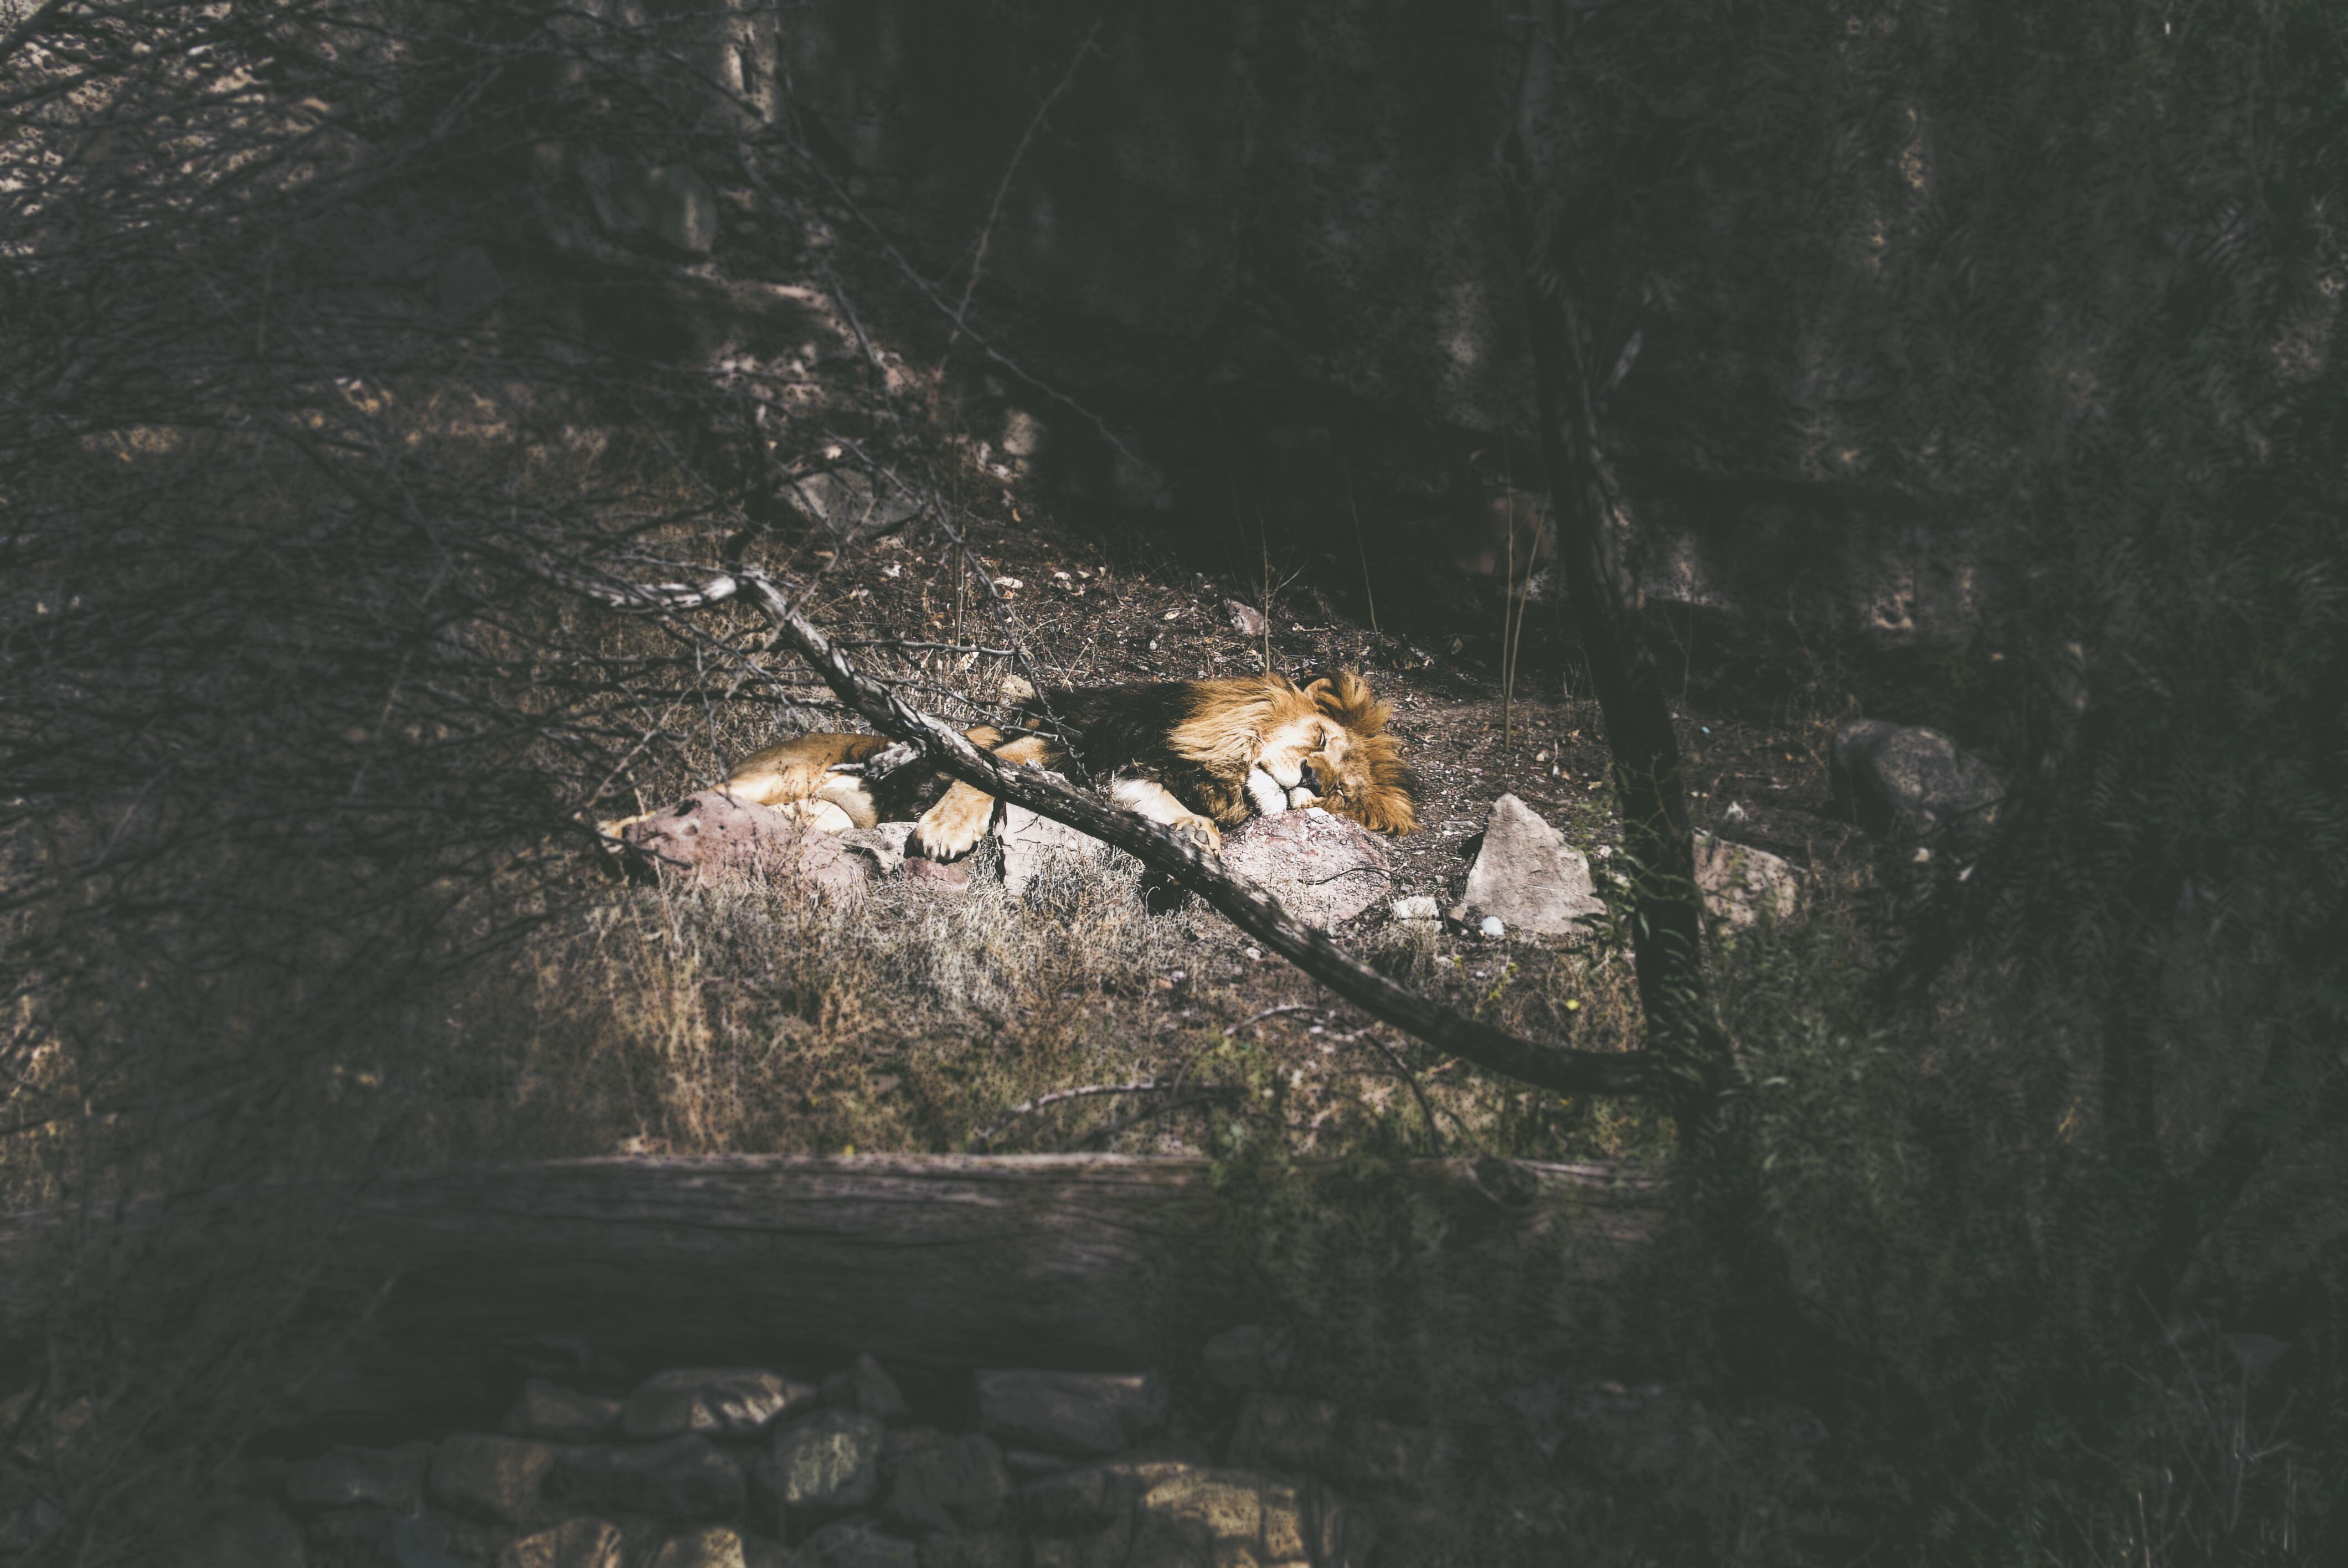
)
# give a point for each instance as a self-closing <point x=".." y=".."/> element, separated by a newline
<point x="750" y="1019"/>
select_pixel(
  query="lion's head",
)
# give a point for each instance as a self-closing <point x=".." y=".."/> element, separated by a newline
<point x="1324" y="744"/>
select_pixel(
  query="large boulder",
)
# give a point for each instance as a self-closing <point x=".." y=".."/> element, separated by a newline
<point x="714" y="837"/>
<point x="1528" y="878"/>
<point x="1905" y="782"/>
<point x="1324" y="869"/>
<point x="1742" y="884"/>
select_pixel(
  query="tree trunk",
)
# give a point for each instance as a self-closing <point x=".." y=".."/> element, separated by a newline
<point x="1667" y="926"/>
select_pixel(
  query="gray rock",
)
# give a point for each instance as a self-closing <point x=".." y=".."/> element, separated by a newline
<point x="957" y="1483"/>
<point x="573" y="1543"/>
<point x="854" y="1543"/>
<point x="1286" y="1433"/>
<point x="1901" y="783"/>
<point x="1250" y="1356"/>
<point x="883" y="845"/>
<point x="1245" y="619"/>
<point x="1032" y="845"/>
<point x="1529" y="877"/>
<point x="1081" y="1414"/>
<point x="1324" y="869"/>
<point x="244" y="1533"/>
<point x="1093" y="1496"/>
<point x="845" y="502"/>
<point x="1741" y="884"/>
<point x="713" y="837"/>
<point x="1217" y="1516"/>
<point x="716" y="1547"/>
<point x="346" y="1477"/>
<point x="937" y="876"/>
<point x="830" y="1461"/>
<point x="549" y="1410"/>
<point x="686" y="1478"/>
<point x="865" y="1388"/>
<point x="489" y="1478"/>
<point x="724" y="1402"/>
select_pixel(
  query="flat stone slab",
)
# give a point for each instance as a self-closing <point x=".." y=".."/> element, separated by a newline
<point x="1324" y="869"/>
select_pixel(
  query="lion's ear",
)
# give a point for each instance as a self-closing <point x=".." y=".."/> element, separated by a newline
<point x="1348" y="700"/>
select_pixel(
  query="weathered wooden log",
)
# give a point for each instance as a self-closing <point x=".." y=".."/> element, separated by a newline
<point x="605" y="1267"/>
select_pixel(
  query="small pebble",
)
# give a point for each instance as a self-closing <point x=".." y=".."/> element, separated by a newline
<point x="1492" y="926"/>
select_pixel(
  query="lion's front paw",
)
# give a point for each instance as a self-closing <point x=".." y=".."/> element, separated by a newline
<point x="1264" y="793"/>
<point x="951" y="829"/>
<point x="1301" y="798"/>
<point x="1200" y="831"/>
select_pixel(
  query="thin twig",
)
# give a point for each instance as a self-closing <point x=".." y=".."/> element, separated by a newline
<point x="1268" y="1012"/>
<point x="1085" y="47"/>
<point x="1360" y="548"/>
<point x="1147" y="1086"/>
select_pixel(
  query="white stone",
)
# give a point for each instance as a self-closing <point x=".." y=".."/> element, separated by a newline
<point x="1528" y="876"/>
<point x="1422" y="907"/>
<point x="1492" y="925"/>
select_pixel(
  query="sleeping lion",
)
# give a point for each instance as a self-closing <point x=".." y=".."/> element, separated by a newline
<point x="1196" y="756"/>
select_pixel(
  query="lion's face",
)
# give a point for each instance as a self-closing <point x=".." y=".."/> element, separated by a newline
<point x="1340" y="758"/>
